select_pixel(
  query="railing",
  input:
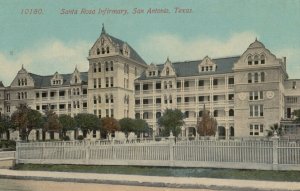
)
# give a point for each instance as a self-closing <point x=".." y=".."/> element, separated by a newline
<point x="270" y="154"/>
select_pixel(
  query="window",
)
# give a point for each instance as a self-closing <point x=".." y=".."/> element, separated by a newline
<point x="145" y="87"/>
<point x="201" y="98"/>
<point x="201" y="83"/>
<point x="107" y="113"/>
<point x="99" y="99"/>
<point x="145" y="101"/>
<point x="94" y="67"/>
<point x="107" y="50"/>
<point x="37" y="95"/>
<point x="187" y="114"/>
<point x="106" y="66"/>
<point x="256" y="129"/>
<point x="106" y="82"/>
<point x="231" y="112"/>
<point x="99" y="67"/>
<point x="215" y="113"/>
<point x="294" y="85"/>
<point x="178" y="99"/>
<point x="186" y="99"/>
<point x="111" y="82"/>
<point x="84" y="104"/>
<point x="112" y="112"/>
<point x="256" y="77"/>
<point x="106" y="99"/>
<point x="137" y="102"/>
<point x="200" y="113"/>
<point x="170" y="99"/>
<point x="84" y="91"/>
<point x="256" y="111"/>
<point x="95" y="100"/>
<point x="158" y="115"/>
<point x="255" y="59"/>
<point x="249" y="60"/>
<point x="256" y="95"/>
<point x="215" y="82"/>
<point x="262" y="76"/>
<point x="230" y="81"/>
<point x="98" y="51"/>
<point x="95" y="83"/>
<point x="262" y="59"/>
<point x="215" y="98"/>
<point x="145" y="115"/>
<point x="158" y="100"/>
<point x="102" y="50"/>
<point x="158" y="86"/>
<point x="99" y="82"/>
<point x="137" y="87"/>
<point x="111" y="99"/>
<point x="249" y="78"/>
<point x="186" y="84"/>
<point x="167" y="71"/>
<point x="178" y="84"/>
<point x="231" y="97"/>
<point x="37" y="107"/>
<point x="111" y="66"/>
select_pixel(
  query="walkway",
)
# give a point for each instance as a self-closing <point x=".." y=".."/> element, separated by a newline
<point x="154" y="181"/>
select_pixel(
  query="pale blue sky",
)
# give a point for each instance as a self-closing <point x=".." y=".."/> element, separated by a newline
<point x="54" y="42"/>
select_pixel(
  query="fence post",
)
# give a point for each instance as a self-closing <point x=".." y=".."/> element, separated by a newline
<point x="113" y="149"/>
<point x="17" y="155"/>
<point x="171" y="145"/>
<point x="275" y="140"/>
<point x="87" y="152"/>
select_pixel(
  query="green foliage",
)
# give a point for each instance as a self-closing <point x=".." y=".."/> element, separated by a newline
<point x="127" y="125"/>
<point x="8" y="145"/>
<point x="51" y="121"/>
<point x="275" y="128"/>
<point x="297" y="115"/>
<point x="171" y="120"/>
<point x="87" y="121"/>
<point x="26" y="119"/>
<point x="207" y="125"/>
<point x="67" y="123"/>
<point x="66" y="138"/>
<point x="6" y="124"/>
<point x="140" y="126"/>
<point x="80" y="137"/>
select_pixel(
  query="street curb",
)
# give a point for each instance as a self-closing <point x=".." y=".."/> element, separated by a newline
<point x="137" y="183"/>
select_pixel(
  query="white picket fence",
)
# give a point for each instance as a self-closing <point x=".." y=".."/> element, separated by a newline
<point x="242" y="154"/>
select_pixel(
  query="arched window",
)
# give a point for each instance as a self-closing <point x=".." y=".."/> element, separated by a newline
<point x="111" y="98"/>
<point x="167" y="71"/>
<point x="165" y="85"/>
<point x="256" y="77"/>
<point x="215" y="113"/>
<point x="111" y="66"/>
<point x="103" y="50"/>
<point x="106" y="98"/>
<point x="256" y="59"/>
<point x="99" y="99"/>
<point x="262" y="77"/>
<point x="250" y="60"/>
<point x="158" y="115"/>
<point x="25" y="82"/>
<point x="99" y="67"/>
<point x="170" y="84"/>
<point x="106" y="66"/>
<point x="170" y="99"/>
<point x="200" y="113"/>
<point x="262" y="59"/>
<point x="76" y="79"/>
<point x="145" y="115"/>
<point x="19" y="82"/>
<point x="95" y="67"/>
<point x="107" y="50"/>
<point x="78" y="91"/>
<point x="98" y="51"/>
<point x="249" y="78"/>
<point x="231" y="112"/>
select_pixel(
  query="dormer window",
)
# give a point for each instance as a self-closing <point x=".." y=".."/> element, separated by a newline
<point x="262" y="59"/>
<point x="249" y="60"/>
<point x="256" y="59"/>
<point x="98" y="51"/>
<point x="207" y="65"/>
<point x="167" y="71"/>
<point x="107" y="50"/>
<point x="76" y="80"/>
<point x="103" y="51"/>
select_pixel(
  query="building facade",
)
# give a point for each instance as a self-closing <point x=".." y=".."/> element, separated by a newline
<point x="245" y="94"/>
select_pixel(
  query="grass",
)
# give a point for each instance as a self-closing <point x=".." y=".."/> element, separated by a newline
<point x="167" y="171"/>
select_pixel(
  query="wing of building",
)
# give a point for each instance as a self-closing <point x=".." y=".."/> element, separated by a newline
<point x="246" y="94"/>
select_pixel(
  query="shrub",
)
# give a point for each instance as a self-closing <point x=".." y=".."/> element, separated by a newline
<point x="66" y="138"/>
<point x="80" y="137"/>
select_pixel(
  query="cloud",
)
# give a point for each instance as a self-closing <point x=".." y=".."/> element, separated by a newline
<point x="45" y="58"/>
<point x="156" y="48"/>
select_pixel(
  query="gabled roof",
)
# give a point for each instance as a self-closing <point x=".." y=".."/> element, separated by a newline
<point x="133" y="54"/>
<point x="45" y="81"/>
<point x="190" y="68"/>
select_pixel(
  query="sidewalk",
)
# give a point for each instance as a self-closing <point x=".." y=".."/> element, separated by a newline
<point x="154" y="181"/>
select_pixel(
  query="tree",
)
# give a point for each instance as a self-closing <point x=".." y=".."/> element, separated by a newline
<point x="171" y="120"/>
<point x="87" y="122"/>
<point x="26" y="119"/>
<point x="297" y="115"/>
<point x="5" y="124"/>
<point x="51" y="121"/>
<point x="110" y="125"/>
<point x="67" y="123"/>
<point x="275" y="128"/>
<point x="127" y="125"/>
<point x="207" y="125"/>
<point x="140" y="126"/>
